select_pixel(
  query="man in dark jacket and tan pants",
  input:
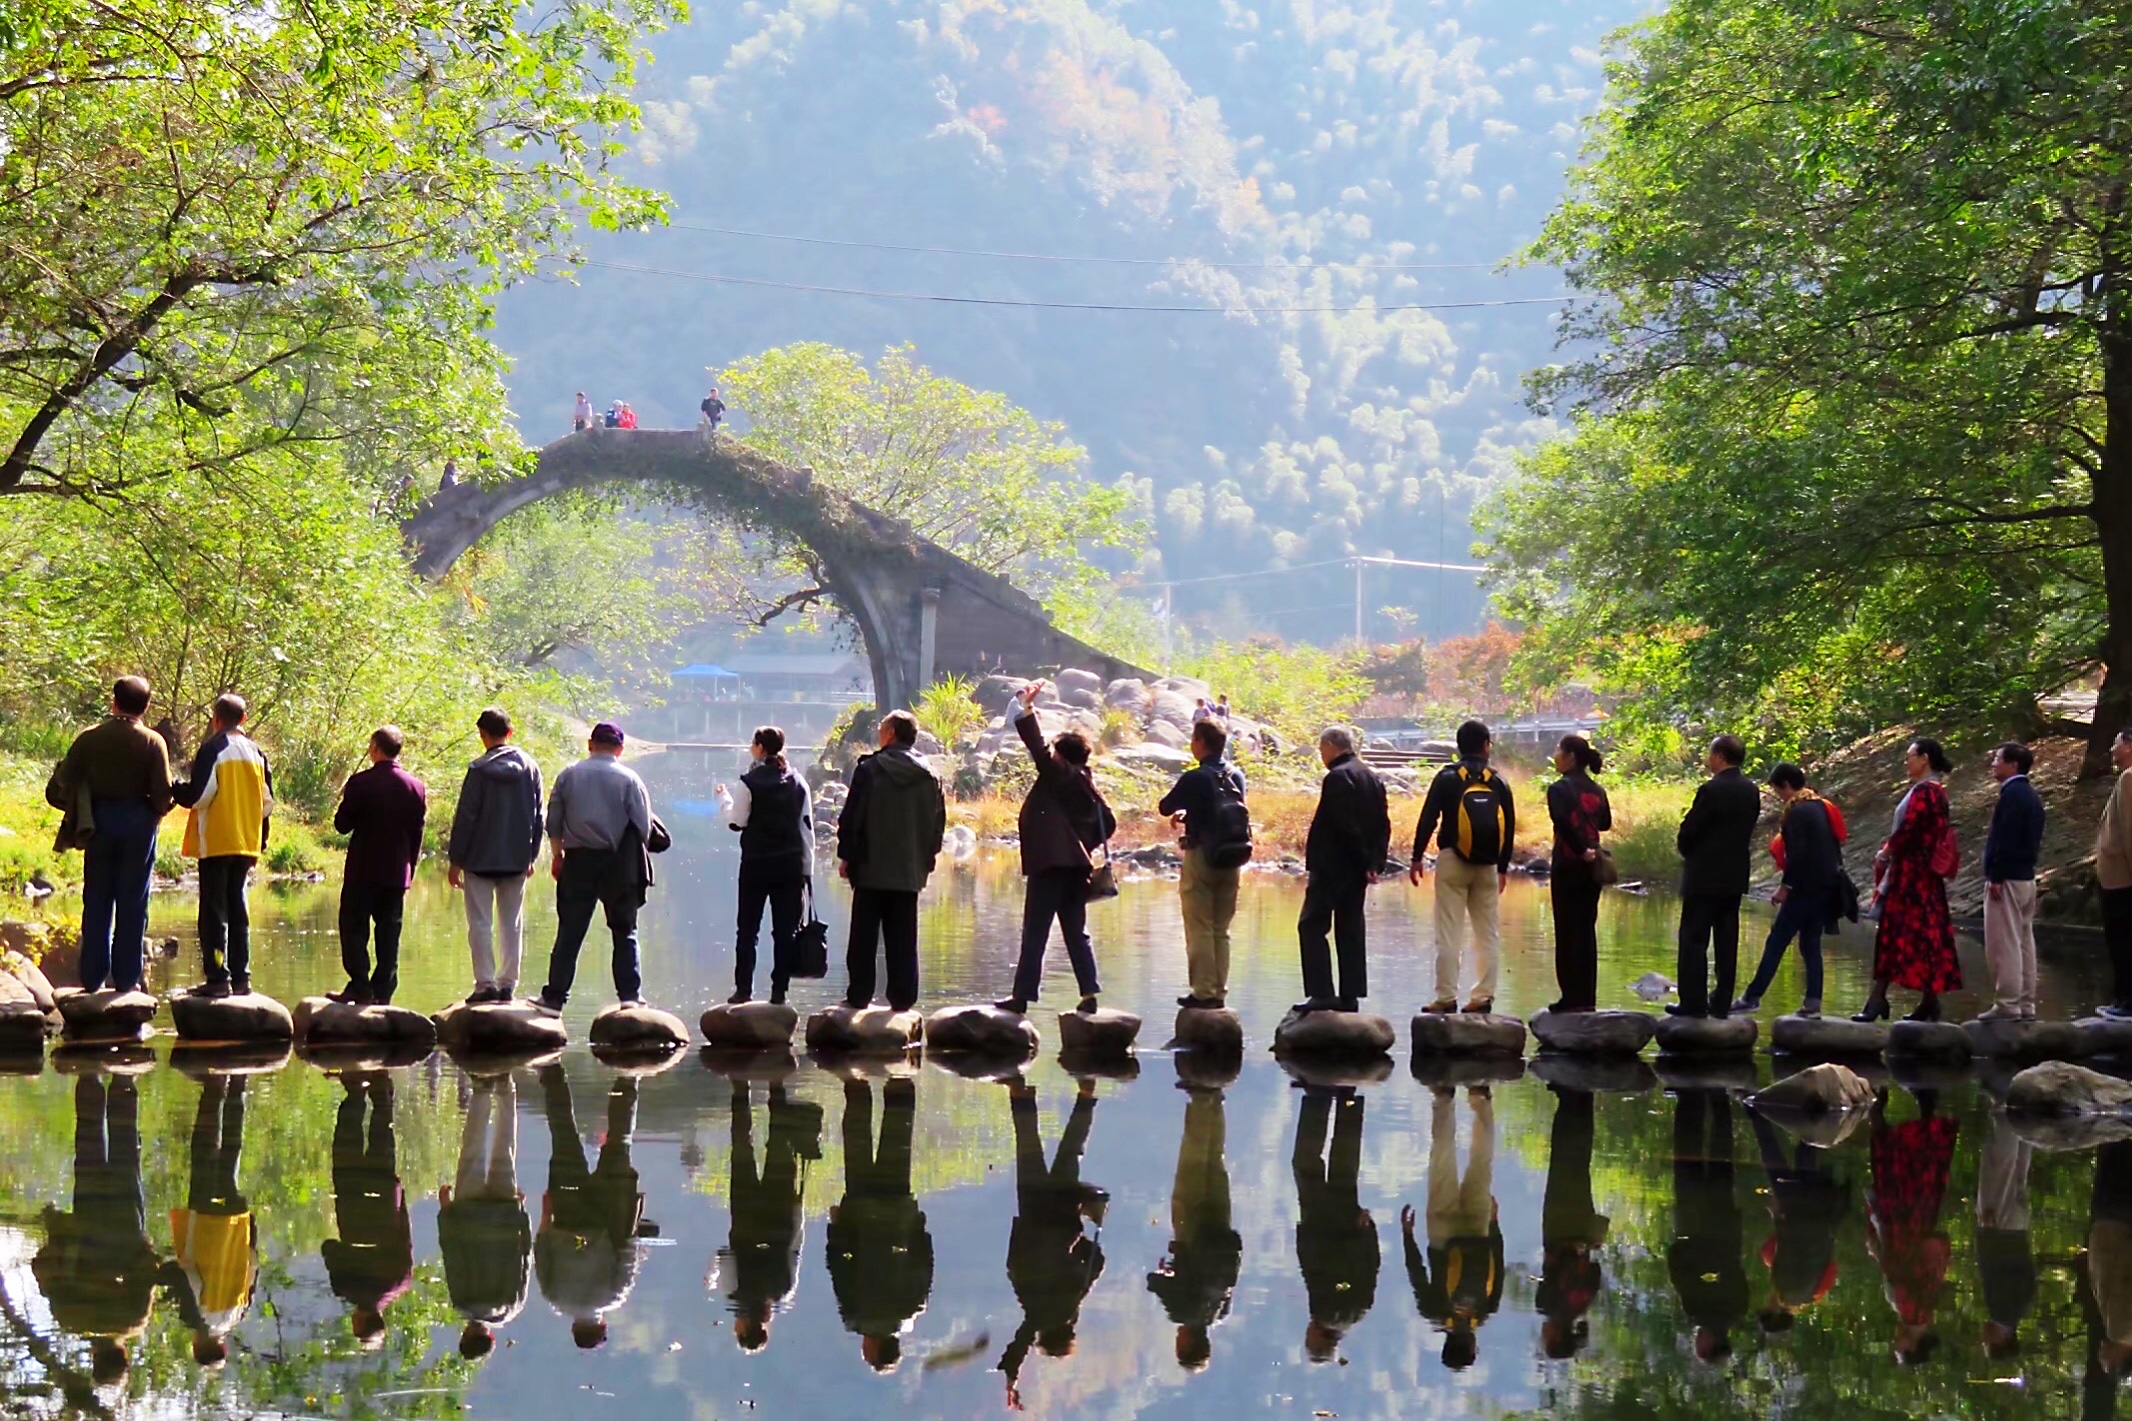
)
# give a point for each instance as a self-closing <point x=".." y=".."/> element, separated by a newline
<point x="887" y="838"/>
<point x="1714" y="843"/>
<point x="1349" y="837"/>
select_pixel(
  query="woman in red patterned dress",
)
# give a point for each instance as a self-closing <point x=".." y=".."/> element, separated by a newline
<point x="1915" y="945"/>
<point x="1910" y="1167"/>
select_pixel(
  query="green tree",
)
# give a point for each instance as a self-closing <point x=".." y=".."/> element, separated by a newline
<point x="1853" y="438"/>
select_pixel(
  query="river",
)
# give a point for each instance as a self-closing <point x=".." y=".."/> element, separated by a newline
<point x="1646" y="1235"/>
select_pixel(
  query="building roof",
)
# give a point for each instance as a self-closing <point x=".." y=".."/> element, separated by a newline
<point x="768" y="663"/>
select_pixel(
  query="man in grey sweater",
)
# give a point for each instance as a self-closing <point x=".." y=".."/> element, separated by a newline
<point x="494" y="844"/>
<point x="599" y="820"/>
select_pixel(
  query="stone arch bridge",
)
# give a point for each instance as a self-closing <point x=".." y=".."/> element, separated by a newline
<point x="921" y="611"/>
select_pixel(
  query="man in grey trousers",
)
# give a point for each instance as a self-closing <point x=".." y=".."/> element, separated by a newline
<point x="495" y="841"/>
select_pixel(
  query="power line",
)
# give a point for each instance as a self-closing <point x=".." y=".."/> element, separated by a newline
<point x="1291" y="265"/>
<point x="945" y="299"/>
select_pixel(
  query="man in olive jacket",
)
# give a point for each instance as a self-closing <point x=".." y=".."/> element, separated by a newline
<point x="887" y="838"/>
<point x="1714" y="843"/>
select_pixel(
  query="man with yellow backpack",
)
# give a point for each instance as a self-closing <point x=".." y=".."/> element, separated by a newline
<point x="228" y="793"/>
<point x="1478" y="820"/>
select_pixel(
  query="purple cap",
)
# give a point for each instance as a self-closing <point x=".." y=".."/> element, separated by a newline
<point x="607" y="733"/>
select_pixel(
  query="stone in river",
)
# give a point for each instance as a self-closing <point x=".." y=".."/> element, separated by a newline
<point x="2060" y="1088"/>
<point x="1705" y="1035"/>
<point x="23" y="1027"/>
<point x="867" y="1031"/>
<point x="2025" y="1040"/>
<point x="1940" y="1040"/>
<point x="1217" y="1031"/>
<point x="107" y="1015"/>
<point x="2102" y="1036"/>
<point x="1593" y="1033"/>
<point x="248" y="1016"/>
<point x="1617" y="1075"/>
<point x="750" y="1026"/>
<point x="1333" y="1034"/>
<point x="981" y="1030"/>
<point x="1827" y="1036"/>
<point x="19" y="966"/>
<point x="1829" y="1088"/>
<point x="499" y="1026"/>
<point x="1104" y="1032"/>
<point x="1467" y="1034"/>
<point x="1440" y="1072"/>
<point x="638" y="1028"/>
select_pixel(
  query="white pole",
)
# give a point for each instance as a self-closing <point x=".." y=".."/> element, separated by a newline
<point x="1360" y="564"/>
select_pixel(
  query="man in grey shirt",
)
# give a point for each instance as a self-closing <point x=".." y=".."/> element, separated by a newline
<point x="599" y="822"/>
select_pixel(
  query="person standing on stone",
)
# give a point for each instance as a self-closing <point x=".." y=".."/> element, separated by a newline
<point x="1911" y="1165"/>
<point x="599" y="824"/>
<point x="1350" y="836"/>
<point x="1197" y="1277"/>
<point x="2011" y="847"/>
<point x="373" y="1260"/>
<point x="1704" y="1257"/>
<point x="483" y="1230"/>
<point x="1052" y="1260"/>
<point x="1716" y="843"/>
<point x="887" y="839"/>
<point x="1479" y="825"/>
<point x="495" y="842"/>
<point x="1571" y="1228"/>
<point x="1914" y="946"/>
<point x="1577" y="808"/>
<point x="771" y="810"/>
<point x="1459" y="1285"/>
<point x="1810" y="836"/>
<point x="2113" y="875"/>
<point x="229" y="792"/>
<point x="123" y="769"/>
<point x="1807" y="1205"/>
<point x="761" y="1256"/>
<point x="216" y="1237"/>
<point x="1208" y="801"/>
<point x="97" y="1270"/>
<point x="382" y="811"/>
<point x="1063" y="821"/>
<point x="1335" y="1237"/>
<point x="880" y="1252"/>
<point x="588" y="1253"/>
<point x="2006" y="1258"/>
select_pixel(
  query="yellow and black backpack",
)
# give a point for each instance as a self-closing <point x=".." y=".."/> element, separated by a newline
<point x="1478" y="821"/>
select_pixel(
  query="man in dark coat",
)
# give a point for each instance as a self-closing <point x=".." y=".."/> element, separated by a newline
<point x="1349" y="837"/>
<point x="381" y="811"/>
<point x="1063" y="821"/>
<point x="887" y="838"/>
<point x="1714" y="844"/>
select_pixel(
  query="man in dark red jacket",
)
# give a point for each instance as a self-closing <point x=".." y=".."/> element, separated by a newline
<point x="381" y="812"/>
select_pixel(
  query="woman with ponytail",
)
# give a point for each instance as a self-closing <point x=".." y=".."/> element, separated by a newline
<point x="774" y="815"/>
<point x="1578" y="808"/>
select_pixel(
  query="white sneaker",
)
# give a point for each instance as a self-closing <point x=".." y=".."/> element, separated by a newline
<point x="1998" y="1013"/>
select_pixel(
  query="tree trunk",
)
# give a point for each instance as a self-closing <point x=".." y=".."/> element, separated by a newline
<point x="2113" y="521"/>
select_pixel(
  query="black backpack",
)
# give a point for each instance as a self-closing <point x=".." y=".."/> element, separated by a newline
<point x="1228" y="840"/>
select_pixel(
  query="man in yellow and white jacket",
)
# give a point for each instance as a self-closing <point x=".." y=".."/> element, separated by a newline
<point x="228" y="793"/>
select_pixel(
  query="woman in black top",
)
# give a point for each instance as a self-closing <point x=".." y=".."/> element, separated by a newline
<point x="1578" y="809"/>
<point x="773" y="814"/>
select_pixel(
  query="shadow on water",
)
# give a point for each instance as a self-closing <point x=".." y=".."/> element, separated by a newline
<point x="755" y="1233"/>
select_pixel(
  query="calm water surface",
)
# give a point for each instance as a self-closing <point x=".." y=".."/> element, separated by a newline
<point x="1638" y="1250"/>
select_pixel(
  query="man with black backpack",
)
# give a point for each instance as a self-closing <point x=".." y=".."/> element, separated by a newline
<point x="1208" y="800"/>
<point x="1479" y="824"/>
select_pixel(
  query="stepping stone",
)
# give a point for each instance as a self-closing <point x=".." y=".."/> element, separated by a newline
<point x="1593" y="1033"/>
<point x="1337" y="1070"/>
<point x="981" y="1031"/>
<point x="737" y="1063"/>
<point x="17" y="1060"/>
<point x="1218" y="1031"/>
<point x="1827" y="1089"/>
<point x="1705" y="1035"/>
<point x="30" y="977"/>
<point x="865" y="1031"/>
<point x="2077" y="1134"/>
<point x="1707" y="1070"/>
<point x="321" y="1022"/>
<point x="638" y="1028"/>
<point x="1456" y="1072"/>
<point x="230" y="1058"/>
<point x="364" y="1056"/>
<point x="2025" y="1040"/>
<point x="1104" y="1065"/>
<point x="1333" y="1034"/>
<point x="1105" y="1032"/>
<point x="499" y="1027"/>
<point x="750" y="1026"/>
<point x="108" y="1015"/>
<point x="251" y="1017"/>
<point x="1938" y="1040"/>
<point x="23" y="1027"/>
<point x="1467" y="1034"/>
<point x="2102" y="1036"/>
<point x="1609" y="1075"/>
<point x="2058" y="1089"/>
<point x="1827" y="1036"/>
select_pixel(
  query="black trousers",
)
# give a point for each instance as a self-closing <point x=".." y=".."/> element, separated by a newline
<point x="225" y="920"/>
<point x="1061" y="894"/>
<point x="362" y="906"/>
<point x="1337" y="904"/>
<point x="1576" y="911"/>
<point x="2117" y="936"/>
<point x="1709" y="926"/>
<point x="889" y="918"/>
<point x="783" y="891"/>
<point x="595" y="878"/>
<point x="217" y="1147"/>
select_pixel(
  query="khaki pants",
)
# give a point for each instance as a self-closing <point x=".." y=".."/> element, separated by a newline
<point x="1208" y="898"/>
<point x="1461" y="1207"/>
<point x="2010" y="944"/>
<point x="1466" y="895"/>
<point x="2002" y="1180"/>
<point x="495" y="909"/>
<point x="1199" y="1197"/>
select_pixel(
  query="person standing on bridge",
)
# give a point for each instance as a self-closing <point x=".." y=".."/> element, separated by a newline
<point x="581" y="414"/>
<point x="713" y="410"/>
<point x="495" y="842"/>
<point x="887" y="838"/>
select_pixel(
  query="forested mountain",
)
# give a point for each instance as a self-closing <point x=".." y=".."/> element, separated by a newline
<point x="1262" y="158"/>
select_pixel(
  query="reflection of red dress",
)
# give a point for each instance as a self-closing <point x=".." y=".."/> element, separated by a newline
<point x="1915" y="945"/>
<point x="1910" y="1165"/>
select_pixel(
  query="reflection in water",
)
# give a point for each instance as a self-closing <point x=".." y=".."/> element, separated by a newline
<point x="763" y="1253"/>
<point x="587" y="1254"/>
<point x="483" y="1230"/>
<point x="1051" y="1262"/>
<point x="1807" y="1206"/>
<point x="1335" y="1237"/>
<point x="1704" y="1257"/>
<point x="1571" y="1228"/>
<point x="2107" y="1297"/>
<point x="1197" y="1275"/>
<point x="2006" y="1259"/>
<point x="1460" y="1284"/>
<point x="1910" y="1167"/>
<point x="373" y="1260"/>
<point x="880" y="1255"/>
<point x="216" y="1237"/>
<point x="97" y="1269"/>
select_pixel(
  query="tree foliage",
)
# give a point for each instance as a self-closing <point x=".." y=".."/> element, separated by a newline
<point x="1298" y="690"/>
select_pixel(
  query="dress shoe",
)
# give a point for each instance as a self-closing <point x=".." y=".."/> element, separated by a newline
<point x="1810" y="1009"/>
<point x="1694" y="1013"/>
<point x="1479" y="1006"/>
<point x="1442" y="1006"/>
<point x="1874" y="1011"/>
<point x="1311" y="1004"/>
<point x="739" y="999"/>
<point x="1087" y="1006"/>
<point x="213" y="991"/>
<point x="1016" y="1005"/>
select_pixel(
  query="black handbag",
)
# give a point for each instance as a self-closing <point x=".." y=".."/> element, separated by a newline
<point x="658" y="841"/>
<point x="1103" y="878"/>
<point x="810" y="945"/>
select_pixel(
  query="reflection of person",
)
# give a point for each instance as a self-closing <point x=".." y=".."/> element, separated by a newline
<point x="1198" y="1275"/>
<point x="2108" y="1295"/>
<point x="1704" y="1257"/>
<point x="1335" y="1237"/>
<point x="1910" y="1168"/>
<point x="217" y="1239"/>
<point x="880" y="1254"/>
<point x="1460" y="1284"/>
<point x="1571" y="1228"/>
<point x="1807" y="1203"/>
<point x="586" y="1255"/>
<point x="373" y="1260"/>
<point x="482" y="1228"/>
<point x="97" y="1270"/>
<point x="2006" y="1259"/>
<point x="763" y="1249"/>
<point x="1051" y="1262"/>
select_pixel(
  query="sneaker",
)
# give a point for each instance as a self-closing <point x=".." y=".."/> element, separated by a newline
<point x="1087" y="1006"/>
<point x="2113" y="1012"/>
<point x="1998" y="1013"/>
<point x="1696" y="1013"/>
<point x="544" y="1006"/>
<point x="630" y="1002"/>
<point x="213" y="991"/>
<point x="1442" y="1006"/>
<point x="480" y="996"/>
<point x="1747" y="1006"/>
<point x="1810" y="1009"/>
<point x="1014" y="1005"/>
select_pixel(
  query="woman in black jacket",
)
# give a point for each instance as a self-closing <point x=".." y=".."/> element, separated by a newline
<point x="1808" y="901"/>
<point x="1063" y="821"/>
<point x="1578" y="808"/>
<point x="774" y="815"/>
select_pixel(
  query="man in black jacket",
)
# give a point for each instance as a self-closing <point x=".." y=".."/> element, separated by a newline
<point x="1063" y="822"/>
<point x="1349" y="837"/>
<point x="1714" y="846"/>
<point x="887" y="839"/>
<point x="2010" y="849"/>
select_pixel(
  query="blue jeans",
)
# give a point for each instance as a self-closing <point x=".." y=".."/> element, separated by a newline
<point x="116" y="868"/>
<point x="1801" y="915"/>
<point x="602" y="879"/>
